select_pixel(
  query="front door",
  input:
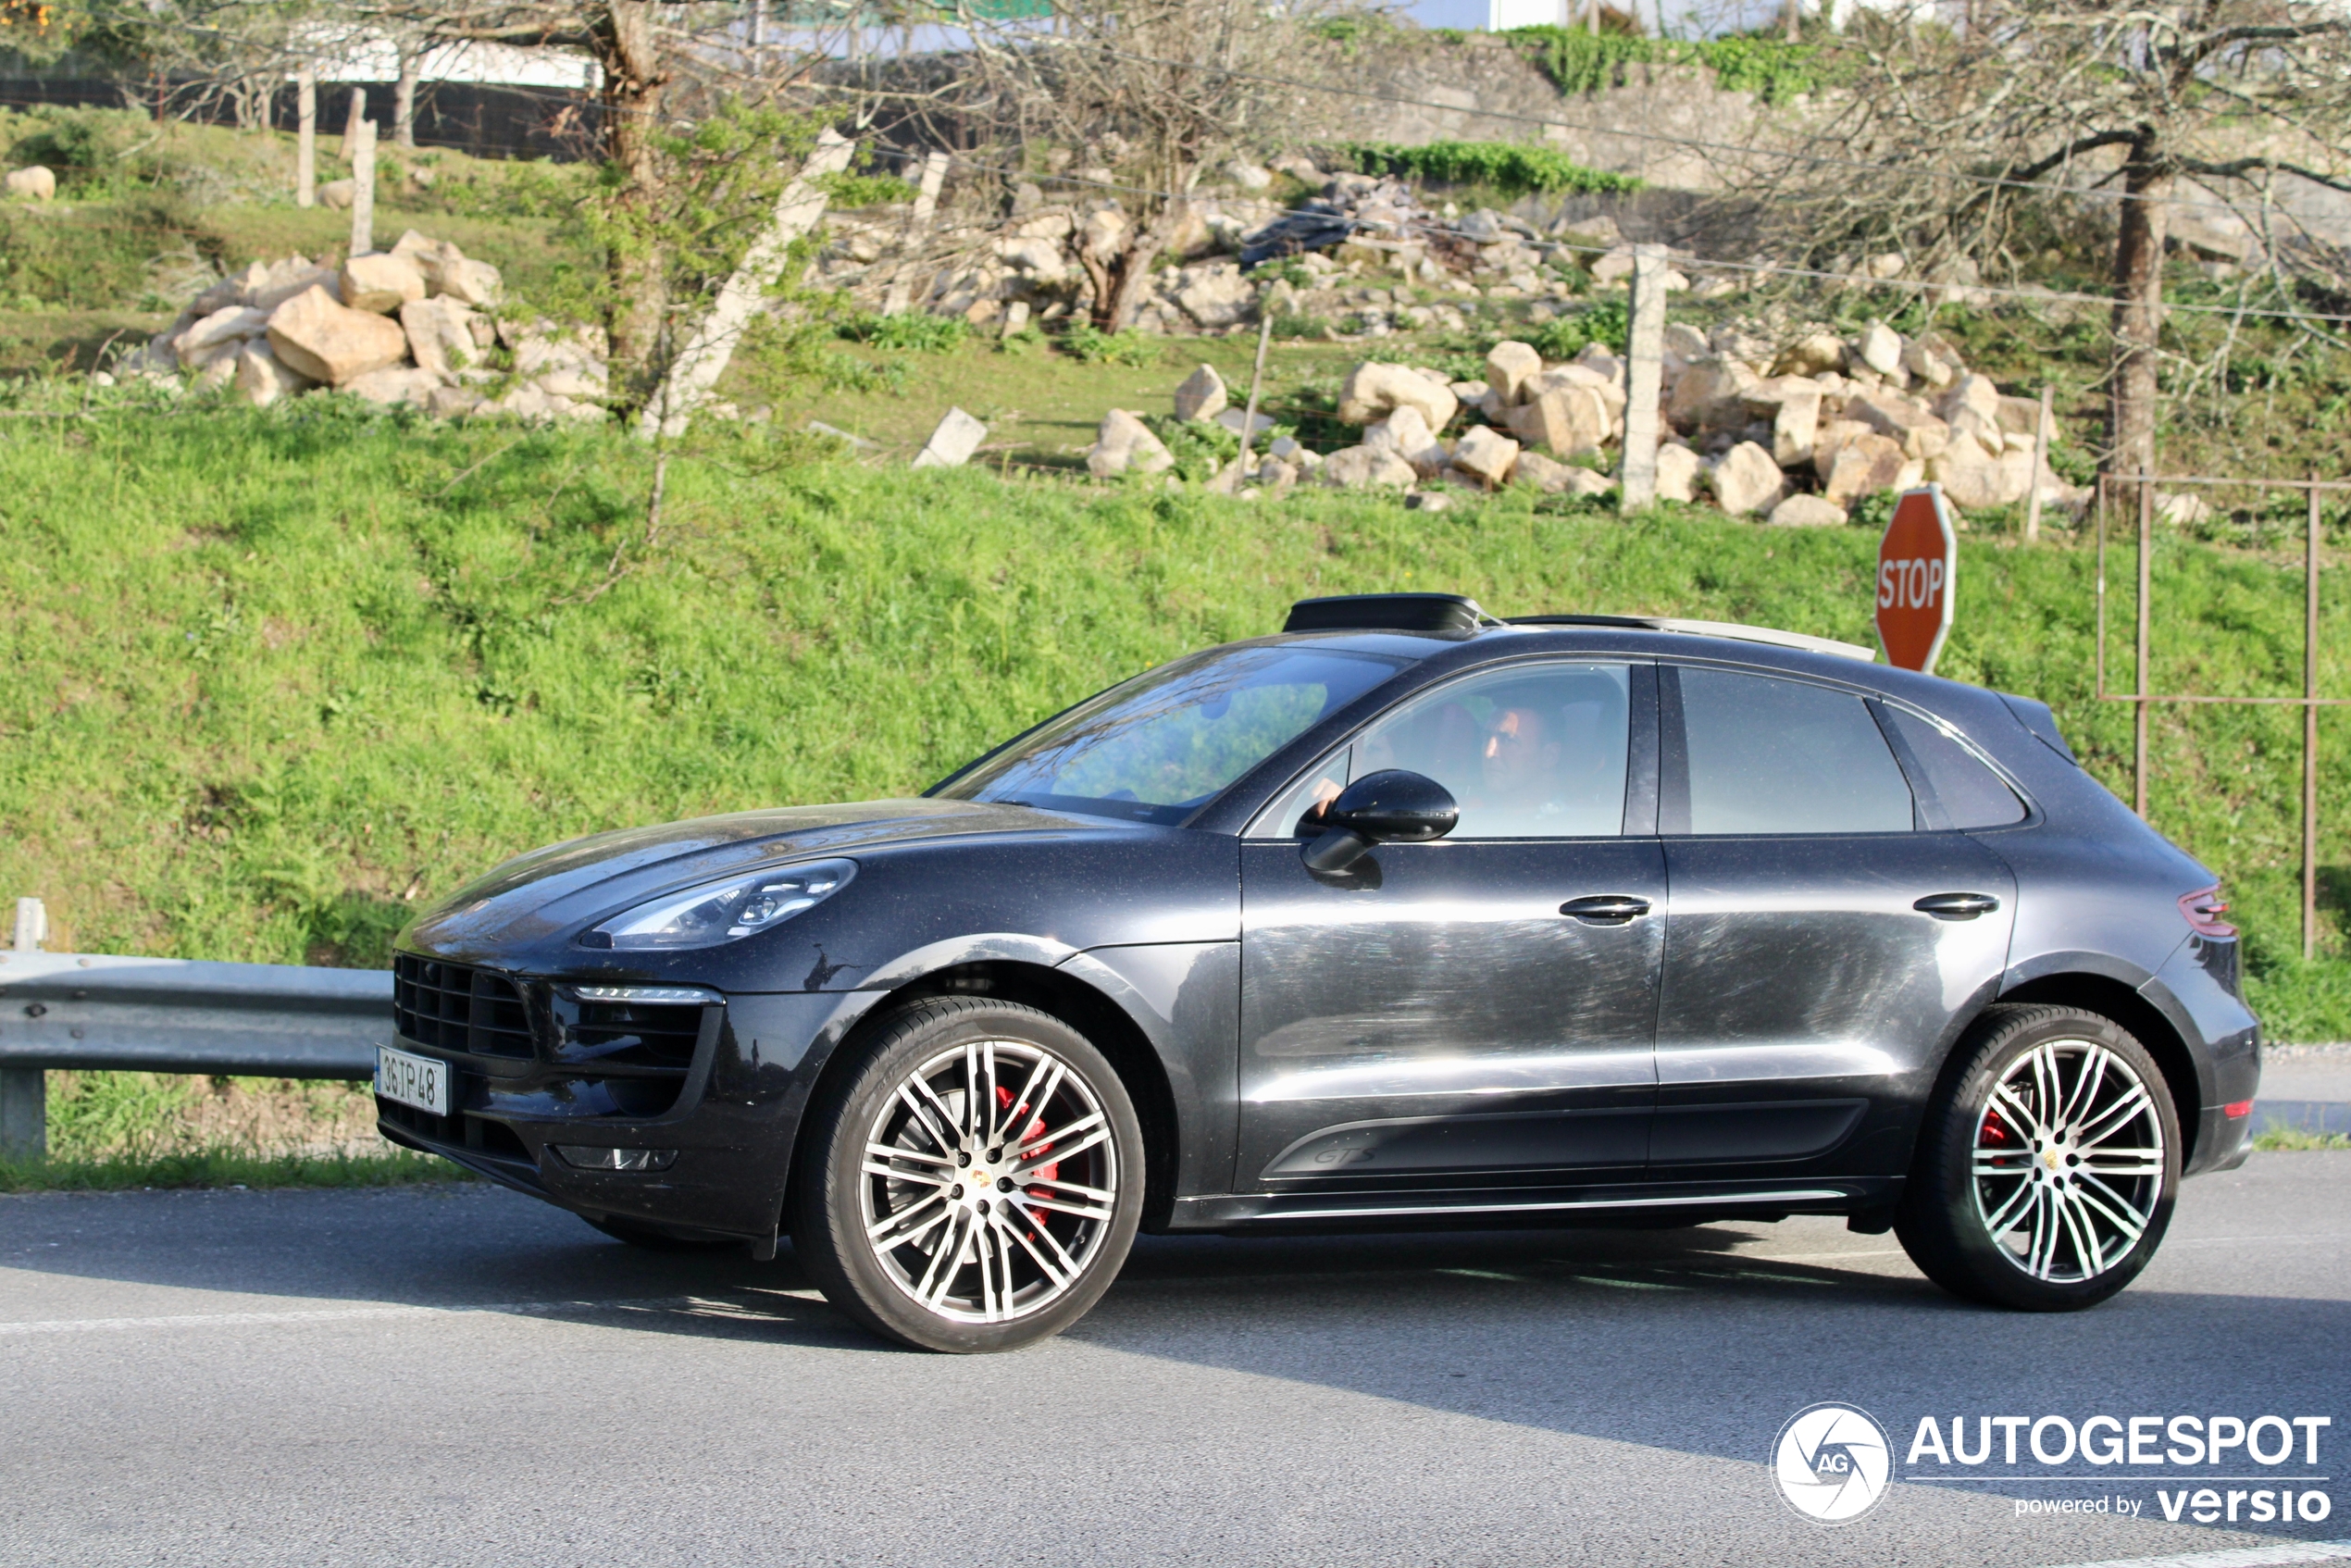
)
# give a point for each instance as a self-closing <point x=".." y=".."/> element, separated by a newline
<point x="1832" y="926"/>
<point x="1480" y="1007"/>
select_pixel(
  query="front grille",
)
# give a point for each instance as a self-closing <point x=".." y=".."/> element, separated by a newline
<point x="458" y="1007"/>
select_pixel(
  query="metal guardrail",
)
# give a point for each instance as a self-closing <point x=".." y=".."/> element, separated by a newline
<point x="97" y="1012"/>
<point x="184" y="1015"/>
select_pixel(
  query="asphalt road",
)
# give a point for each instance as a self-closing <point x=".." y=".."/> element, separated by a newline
<point x="469" y="1377"/>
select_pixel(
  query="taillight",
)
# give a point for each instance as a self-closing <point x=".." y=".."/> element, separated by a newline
<point x="2203" y="909"/>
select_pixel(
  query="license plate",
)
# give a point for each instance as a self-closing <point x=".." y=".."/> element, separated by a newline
<point x="420" y="1081"/>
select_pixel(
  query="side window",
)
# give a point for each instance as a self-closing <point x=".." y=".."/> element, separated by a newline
<point x="1530" y="752"/>
<point x="1971" y="794"/>
<point x="1768" y="756"/>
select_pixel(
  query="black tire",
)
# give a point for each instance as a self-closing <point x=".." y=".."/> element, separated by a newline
<point x="657" y="1238"/>
<point x="1003" y="1286"/>
<point x="2089" y="1200"/>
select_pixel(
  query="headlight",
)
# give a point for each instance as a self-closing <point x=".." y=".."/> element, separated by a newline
<point x="722" y="911"/>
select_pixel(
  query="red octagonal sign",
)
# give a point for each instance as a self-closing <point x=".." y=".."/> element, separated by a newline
<point x="1915" y="563"/>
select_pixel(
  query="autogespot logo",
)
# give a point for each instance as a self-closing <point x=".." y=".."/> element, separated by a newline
<point x="1831" y="1463"/>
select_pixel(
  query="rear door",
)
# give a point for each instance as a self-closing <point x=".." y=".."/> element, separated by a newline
<point x="1440" y="1017"/>
<point x="1832" y="928"/>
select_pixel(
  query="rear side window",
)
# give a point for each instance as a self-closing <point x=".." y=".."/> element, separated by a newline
<point x="1971" y="794"/>
<point x="1781" y="757"/>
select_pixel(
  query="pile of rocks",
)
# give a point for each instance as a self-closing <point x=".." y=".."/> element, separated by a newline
<point x="1795" y="433"/>
<point x="1352" y="254"/>
<point x="411" y="325"/>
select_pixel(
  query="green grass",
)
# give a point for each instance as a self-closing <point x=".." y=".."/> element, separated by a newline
<point x="279" y="677"/>
<point x="225" y="1167"/>
<point x="2297" y="1139"/>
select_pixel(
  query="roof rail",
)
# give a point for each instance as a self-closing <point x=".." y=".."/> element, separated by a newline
<point x="1389" y="612"/>
<point x="1712" y="628"/>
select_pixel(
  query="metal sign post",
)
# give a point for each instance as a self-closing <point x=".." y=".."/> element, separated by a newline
<point x="1917" y="564"/>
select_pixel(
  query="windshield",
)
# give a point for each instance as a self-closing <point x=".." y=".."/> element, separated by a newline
<point x="1156" y="748"/>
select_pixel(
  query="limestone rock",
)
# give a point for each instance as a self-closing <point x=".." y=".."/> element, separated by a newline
<point x="1795" y="426"/>
<point x="380" y="282"/>
<point x="330" y="341"/>
<point x="1486" y="456"/>
<point x="439" y="334"/>
<point x="1879" y="347"/>
<point x="1508" y="367"/>
<point x="1807" y="512"/>
<point x="337" y="194"/>
<point x="1597" y="358"/>
<point x="1863" y="465"/>
<point x="1685" y="342"/>
<point x="283" y="279"/>
<point x="1123" y="443"/>
<point x="1361" y="467"/>
<point x="263" y="378"/>
<point x="1373" y="390"/>
<point x="1810" y="355"/>
<point x="1831" y="435"/>
<point x="230" y="326"/>
<point x="1745" y="480"/>
<point x="1217" y="295"/>
<point x="1405" y="433"/>
<point x="1677" y="471"/>
<point x="2022" y="416"/>
<point x="953" y="441"/>
<point x="1247" y="175"/>
<point x="1202" y="396"/>
<point x="1927" y="366"/>
<point x="1560" y="478"/>
<point x="1605" y="388"/>
<point x="451" y="403"/>
<point x="1232" y="417"/>
<point x="34" y="184"/>
<point x="1920" y="433"/>
<point x="1035" y="255"/>
<point x="393" y="384"/>
<point x="1566" y="422"/>
<point x="1975" y="478"/>
<point x="1886" y="264"/>
<point x="1707" y="395"/>
<point x="1427" y="500"/>
<point x="1980" y="396"/>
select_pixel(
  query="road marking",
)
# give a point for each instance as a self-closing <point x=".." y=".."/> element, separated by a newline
<point x="346" y="1315"/>
<point x="2237" y="1557"/>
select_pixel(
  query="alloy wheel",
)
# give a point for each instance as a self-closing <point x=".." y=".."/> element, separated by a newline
<point x="2069" y="1160"/>
<point x="988" y="1181"/>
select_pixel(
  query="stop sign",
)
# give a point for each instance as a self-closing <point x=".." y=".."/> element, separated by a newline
<point x="1915" y="563"/>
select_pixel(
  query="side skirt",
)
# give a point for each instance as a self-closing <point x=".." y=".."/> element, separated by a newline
<point x="1675" y="1204"/>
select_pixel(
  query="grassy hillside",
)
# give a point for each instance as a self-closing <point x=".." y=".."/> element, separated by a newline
<point x="276" y="677"/>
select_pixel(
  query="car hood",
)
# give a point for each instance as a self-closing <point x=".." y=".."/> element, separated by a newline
<point x="549" y="891"/>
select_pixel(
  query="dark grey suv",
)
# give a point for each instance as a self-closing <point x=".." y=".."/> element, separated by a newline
<point x="1404" y="917"/>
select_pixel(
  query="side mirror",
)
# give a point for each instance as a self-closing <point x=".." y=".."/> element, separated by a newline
<point x="1390" y="806"/>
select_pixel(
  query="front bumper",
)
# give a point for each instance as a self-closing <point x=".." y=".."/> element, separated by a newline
<point x="728" y="1111"/>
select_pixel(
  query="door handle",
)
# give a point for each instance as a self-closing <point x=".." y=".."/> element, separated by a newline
<point x="1956" y="906"/>
<point x="1606" y="909"/>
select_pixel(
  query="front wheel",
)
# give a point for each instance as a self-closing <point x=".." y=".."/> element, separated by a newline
<point x="2046" y="1171"/>
<point x="976" y="1183"/>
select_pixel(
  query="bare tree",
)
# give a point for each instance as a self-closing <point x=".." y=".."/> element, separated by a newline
<point x="1946" y="143"/>
<point x="1158" y="90"/>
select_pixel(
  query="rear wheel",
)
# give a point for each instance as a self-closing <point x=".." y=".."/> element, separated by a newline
<point x="976" y="1183"/>
<point x="2045" y="1174"/>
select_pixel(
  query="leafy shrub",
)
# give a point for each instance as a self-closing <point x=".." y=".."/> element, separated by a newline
<point x="1095" y="346"/>
<point x="1607" y="323"/>
<point x="909" y="332"/>
<point x="1512" y="167"/>
<point x="1578" y="62"/>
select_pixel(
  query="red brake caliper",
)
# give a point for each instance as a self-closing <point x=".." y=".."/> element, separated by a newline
<point x="1047" y="1174"/>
